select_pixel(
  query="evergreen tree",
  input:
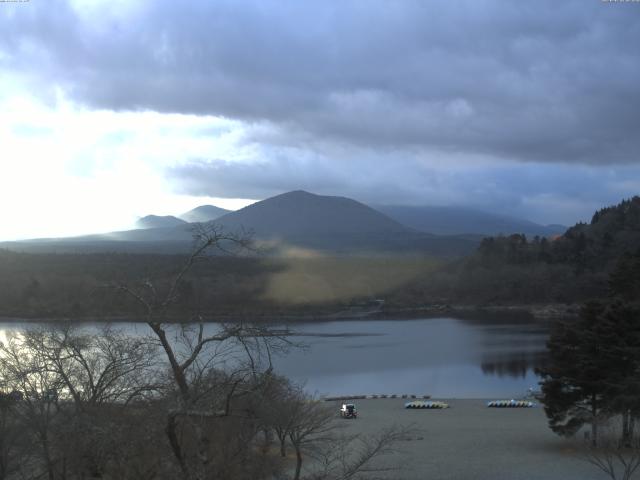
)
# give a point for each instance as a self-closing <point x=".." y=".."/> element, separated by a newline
<point x="575" y="378"/>
<point x="620" y="325"/>
<point x="624" y="281"/>
<point x="594" y="369"/>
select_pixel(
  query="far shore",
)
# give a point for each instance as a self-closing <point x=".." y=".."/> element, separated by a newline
<point x="534" y="312"/>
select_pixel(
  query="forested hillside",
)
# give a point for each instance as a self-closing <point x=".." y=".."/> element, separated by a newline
<point x="570" y="268"/>
<point x="79" y="286"/>
<point x="612" y="232"/>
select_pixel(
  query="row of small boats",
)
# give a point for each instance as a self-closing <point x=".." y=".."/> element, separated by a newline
<point x="419" y="404"/>
<point x="510" y="404"/>
<point x="374" y="396"/>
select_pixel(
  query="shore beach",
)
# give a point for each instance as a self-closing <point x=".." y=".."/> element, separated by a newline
<point x="470" y="441"/>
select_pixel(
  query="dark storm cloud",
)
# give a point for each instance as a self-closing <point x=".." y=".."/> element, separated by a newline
<point x="542" y="81"/>
<point x="545" y="193"/>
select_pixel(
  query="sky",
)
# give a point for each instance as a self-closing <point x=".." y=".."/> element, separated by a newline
<point x="111" y="110"/>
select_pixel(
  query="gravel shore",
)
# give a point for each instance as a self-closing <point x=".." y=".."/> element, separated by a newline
<point x="471" y="441"/>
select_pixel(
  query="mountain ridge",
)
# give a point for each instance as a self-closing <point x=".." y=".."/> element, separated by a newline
<point x="327" y="224"/>
<point x="330" y="224"/>
<point x="452" y="220"/>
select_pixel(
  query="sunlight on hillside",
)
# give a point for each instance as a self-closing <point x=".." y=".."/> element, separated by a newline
<point x="318" y="279"/>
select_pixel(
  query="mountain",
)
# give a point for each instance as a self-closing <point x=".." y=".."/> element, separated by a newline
<point x="300" y="213"/>
<point x="460" y="220"/>
<point x="337" y="225"/>
<point x="327" y="223"/>
<point x="203" y="213"/>
<point x="156" y="221"/>
<point x="334" y="225"/>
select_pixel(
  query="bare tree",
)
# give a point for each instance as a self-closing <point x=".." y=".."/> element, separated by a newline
<point x="192" y="353"/>
<point x="311" y="423"/>
<point x="106" y="366"/>
<point x="102" y="372"/>
<point x="27" y="373"/>
<point x="280" y="399"/>
<point x="77" y="391"/>
<point x="618" y="456"/>
<point x="11" y="435"/>
<point x="348" y="457"/>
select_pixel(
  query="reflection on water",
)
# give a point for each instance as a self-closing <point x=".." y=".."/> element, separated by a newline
<point x="513" y="364"/>
<point x="443" y="357"/>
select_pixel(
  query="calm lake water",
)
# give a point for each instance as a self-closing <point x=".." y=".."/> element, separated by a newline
<point x="442" y="357"/>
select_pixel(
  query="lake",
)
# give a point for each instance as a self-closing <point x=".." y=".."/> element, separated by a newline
<point x="442" y="357"/>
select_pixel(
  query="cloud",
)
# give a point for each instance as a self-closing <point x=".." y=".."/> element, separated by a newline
<point x="74" y="171"/>
<point x="533" y="82"/>
<point x="543" y="192"/>
<point x="526" y="108"/>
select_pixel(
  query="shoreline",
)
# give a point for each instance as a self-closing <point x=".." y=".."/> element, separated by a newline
<point x="538" y="312"/>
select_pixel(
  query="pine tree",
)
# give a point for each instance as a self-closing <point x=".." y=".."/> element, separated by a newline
<point x="593" y="370"/>
<point x="624" y="281"/>
<point x="574" y="379"/>
<point x="620" y="324"/>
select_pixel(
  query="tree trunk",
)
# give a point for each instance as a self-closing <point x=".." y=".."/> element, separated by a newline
<point x="298" y="462"/>
<point x="626" y="439"/>
<point x="49" y="463"/>
<point x="203" y="446"/>
<point x="594" y="421"/>
<point x="4" y="459"/>
<point x="178" y="372"/>
<point x="44" y="441"/>
<point x="172" y="436"/>
<point x="268" y="440"/>
<point x="283" y="448"/>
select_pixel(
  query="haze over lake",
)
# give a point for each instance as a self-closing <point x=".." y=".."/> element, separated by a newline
<point x="442" y="357"/>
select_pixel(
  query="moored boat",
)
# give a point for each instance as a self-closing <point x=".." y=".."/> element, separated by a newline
<point x="510" y="404"/>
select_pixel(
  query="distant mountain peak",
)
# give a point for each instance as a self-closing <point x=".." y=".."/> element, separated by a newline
<point x="204" y="213"/>
<point x="302" y="213"/>
<point x="299" y="192"/>
<point x="159" y="221"/>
